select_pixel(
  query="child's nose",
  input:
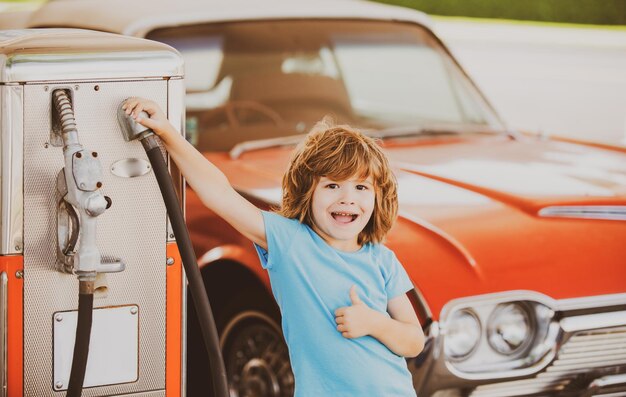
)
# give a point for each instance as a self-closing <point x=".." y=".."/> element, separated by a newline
<point x="346" y="199"/>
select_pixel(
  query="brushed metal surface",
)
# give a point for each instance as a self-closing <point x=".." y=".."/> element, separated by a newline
<point x="11" y="176"/>
<point x="134" y="229"/>
<point x="71" y="55"/>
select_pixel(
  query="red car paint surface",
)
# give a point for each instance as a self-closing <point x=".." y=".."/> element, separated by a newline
<point x="462" y="231"/>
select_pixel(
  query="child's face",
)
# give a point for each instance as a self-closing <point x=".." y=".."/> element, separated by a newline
<point x="341" y="210"/>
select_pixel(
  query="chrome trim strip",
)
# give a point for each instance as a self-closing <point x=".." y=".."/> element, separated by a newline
<point x="11" y="169"/>
<point x="603" y="212"/>
<point x="606" y="381"/>
<point x="4" y="281"/>
<point x="589" y="302"/>
<point x="593" y="321"/>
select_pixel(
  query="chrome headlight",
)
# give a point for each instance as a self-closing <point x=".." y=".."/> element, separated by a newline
<point x="463" y="333"/>
<point x="510" y="328"/>
<point x="497" y="335"/>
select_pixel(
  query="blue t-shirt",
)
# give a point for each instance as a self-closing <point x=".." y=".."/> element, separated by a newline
<point x="310" y="280"/>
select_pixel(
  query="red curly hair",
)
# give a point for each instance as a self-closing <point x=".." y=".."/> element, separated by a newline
<point x="339" y="152"/>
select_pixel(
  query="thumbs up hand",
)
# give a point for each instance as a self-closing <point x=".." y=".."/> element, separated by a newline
<point x="357" y="319"/>
<point x="354" y="296"/>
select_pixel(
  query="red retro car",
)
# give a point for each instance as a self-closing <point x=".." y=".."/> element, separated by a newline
<point x="516" y="244"/>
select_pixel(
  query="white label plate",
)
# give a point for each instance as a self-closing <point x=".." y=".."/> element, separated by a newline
<point x="113" y="348"/>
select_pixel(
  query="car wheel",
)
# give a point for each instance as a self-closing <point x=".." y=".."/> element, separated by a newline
<point x="256" y="356"/>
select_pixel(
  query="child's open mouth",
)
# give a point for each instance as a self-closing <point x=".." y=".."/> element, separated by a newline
<point x="344" y="217"/>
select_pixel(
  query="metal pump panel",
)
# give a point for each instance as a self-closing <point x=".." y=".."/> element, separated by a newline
<point x="132" y="308"/>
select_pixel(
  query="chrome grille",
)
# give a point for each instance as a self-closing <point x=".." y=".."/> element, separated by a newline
<point x="594" y="353"/>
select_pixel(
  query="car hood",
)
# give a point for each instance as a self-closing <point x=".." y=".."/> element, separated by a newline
<point x="528" y="173"/>
<point x="469" y="216"/>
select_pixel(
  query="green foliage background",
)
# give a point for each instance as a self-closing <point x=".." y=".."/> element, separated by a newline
<point x="598" y="12"/>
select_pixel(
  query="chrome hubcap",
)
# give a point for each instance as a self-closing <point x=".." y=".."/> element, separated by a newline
<point x="256" y="357"/>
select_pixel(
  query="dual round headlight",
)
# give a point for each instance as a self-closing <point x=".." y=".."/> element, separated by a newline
<point x="462" y="334"/>
<point x="510" y="330"/>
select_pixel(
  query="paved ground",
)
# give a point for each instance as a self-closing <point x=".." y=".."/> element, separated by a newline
<point x="557" y="80"/>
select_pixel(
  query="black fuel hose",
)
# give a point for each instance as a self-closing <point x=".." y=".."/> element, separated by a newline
<point x="196" y="284"/>
<point x="83" y="334"/>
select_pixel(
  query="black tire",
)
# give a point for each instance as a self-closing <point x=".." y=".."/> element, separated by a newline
<point x="254" y="351"/>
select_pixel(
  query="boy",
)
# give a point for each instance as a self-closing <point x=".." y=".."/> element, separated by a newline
<point x="342" y="294"/>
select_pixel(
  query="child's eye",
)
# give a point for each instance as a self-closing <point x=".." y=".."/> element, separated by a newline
<point x="361" y="187"/>
<point x="332" y="186"/>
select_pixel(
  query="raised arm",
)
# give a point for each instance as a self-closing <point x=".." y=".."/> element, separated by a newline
<point x="211" y="185"/>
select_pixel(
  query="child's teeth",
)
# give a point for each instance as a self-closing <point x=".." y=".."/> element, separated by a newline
<point x="344" y="216"/>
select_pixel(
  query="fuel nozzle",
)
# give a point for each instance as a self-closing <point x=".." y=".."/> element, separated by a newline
<point x="82" y="201"/>
<point x="132" y="130"/>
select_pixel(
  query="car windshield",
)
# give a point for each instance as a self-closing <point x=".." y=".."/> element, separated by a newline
<point x="250" y="81"/>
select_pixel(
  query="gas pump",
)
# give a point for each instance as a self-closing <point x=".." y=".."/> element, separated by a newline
<point x="92" y="290"/>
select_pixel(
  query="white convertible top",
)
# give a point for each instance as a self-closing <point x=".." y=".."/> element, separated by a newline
<point x="138" y="17"/>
